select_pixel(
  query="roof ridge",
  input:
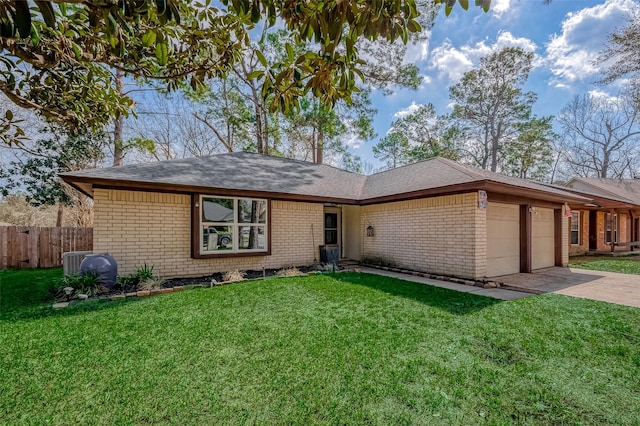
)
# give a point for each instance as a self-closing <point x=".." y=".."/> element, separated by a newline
<point x="403" y="166"/>
<point x="461" y="168"/>
<point x="297" y="160"/>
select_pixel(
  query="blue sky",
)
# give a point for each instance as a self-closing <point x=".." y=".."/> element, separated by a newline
<point x="565" y="36"/>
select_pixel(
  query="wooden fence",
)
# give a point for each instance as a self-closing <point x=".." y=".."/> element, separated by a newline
<point x="39" y="247"/>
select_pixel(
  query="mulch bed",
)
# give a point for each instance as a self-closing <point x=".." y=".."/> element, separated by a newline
<point x="208" y="279"/>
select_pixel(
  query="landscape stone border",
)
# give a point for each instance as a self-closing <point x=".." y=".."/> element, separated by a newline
<point x="451" y="279"/>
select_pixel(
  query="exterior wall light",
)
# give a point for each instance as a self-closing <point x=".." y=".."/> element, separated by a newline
<point x="370" y="231"/>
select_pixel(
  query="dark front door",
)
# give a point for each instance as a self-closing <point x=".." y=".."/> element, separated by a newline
<point x="593" y="230"/>
<point x="331" y="228"/>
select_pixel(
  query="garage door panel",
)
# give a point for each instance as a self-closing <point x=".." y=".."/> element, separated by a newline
<point x="503" y="239"/>
<point x="543" y="238"/>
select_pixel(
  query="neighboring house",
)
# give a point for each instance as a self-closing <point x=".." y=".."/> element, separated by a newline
<point x="435" y="215"/>
<point x="611" y="222"/>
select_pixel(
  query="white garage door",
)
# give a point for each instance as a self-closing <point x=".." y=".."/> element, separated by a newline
<point x="503" y="239"/>
<point x="542" y="241"/>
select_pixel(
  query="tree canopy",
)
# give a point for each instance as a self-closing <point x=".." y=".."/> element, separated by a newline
<point x="59" y="55"/>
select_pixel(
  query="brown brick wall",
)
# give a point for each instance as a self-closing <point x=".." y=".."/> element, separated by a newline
<point x="445" y="235"/>
<point x="583" y="247"/>
<point x="138" y="227"/>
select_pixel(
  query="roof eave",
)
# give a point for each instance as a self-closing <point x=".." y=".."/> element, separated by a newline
<point x="82" y="183"/>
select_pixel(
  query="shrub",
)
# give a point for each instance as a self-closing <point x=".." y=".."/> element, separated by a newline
<point x="141" y="275"/>
<point x="289" y="272"/>
<point x="144" y="272"/>
<point x="150" y="284"/>
<point x="88" y="284"/>
<point x="233" y="276"/>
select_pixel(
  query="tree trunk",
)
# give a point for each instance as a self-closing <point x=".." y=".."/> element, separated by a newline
<point x="605" y="165"/>
<point x="265" y="132"/>
<point x="118" y="144"/>
<point x="314" y="152"/>
<point x="320" y="146"/>
<point x="59" y="218"/>
<point x="253" y="230"/>
<point x="259" y="130"/>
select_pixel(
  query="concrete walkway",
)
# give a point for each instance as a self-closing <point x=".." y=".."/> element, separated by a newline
<point x="496" y="293"/>
<point x="622" y="289"/>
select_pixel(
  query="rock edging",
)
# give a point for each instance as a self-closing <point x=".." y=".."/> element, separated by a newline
<point x="448" y="278"/>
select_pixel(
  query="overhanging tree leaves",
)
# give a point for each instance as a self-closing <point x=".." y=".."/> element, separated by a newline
<point x="58" y="55"/>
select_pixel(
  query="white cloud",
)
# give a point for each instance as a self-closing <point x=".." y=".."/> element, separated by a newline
<point x="416" y="52"/>
<point x="453" y="62"/>
<point x="449" y="61"/>
<point x="602" y="95"/>
<point x="506" y="39"/>
<point x="498" y="7"/>
<point x="426" y="80"/>
<point x="570" y="55"/>
<point x="408" y="110"/>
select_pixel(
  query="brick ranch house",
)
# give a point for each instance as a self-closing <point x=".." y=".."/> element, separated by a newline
<point x="196" y="216"/>
<point x="611" y="222"/>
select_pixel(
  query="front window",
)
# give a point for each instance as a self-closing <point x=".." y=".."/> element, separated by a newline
<point x="232" y="225"/>
<point x="575" y="228"/>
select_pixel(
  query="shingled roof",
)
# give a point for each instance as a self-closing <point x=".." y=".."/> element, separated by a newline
<point x="622" y="190"/>
<point x="255" y="174"/>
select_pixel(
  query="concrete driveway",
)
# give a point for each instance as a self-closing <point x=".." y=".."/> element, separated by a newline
<point x="623" y="289"/>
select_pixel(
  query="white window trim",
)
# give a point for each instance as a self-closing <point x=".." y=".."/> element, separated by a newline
<point x="235" y="225"/>
<point x="579" y="228"/>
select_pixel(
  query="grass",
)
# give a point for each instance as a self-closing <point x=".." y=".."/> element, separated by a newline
<point x="329" y="349"/>
<point x="609" y="264"/>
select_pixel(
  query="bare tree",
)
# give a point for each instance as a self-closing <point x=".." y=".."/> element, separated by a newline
<point x="601" y="135"/>
<point x="166" y="128"/>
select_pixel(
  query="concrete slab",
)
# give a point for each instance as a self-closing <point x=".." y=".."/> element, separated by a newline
<point x="495" y="293"/>
<point x="622" y="289"/>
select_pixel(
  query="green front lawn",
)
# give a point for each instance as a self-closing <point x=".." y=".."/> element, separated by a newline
<point x="609" y="264"/>
<point x="338" y="349"/>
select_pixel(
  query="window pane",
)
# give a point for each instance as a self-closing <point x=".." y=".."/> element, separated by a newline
<point x="216" y="238"/>
<point x="330" y="236"/>
<point x="252" y="211"/>
<point x="330" y="220"/>
<point x="575" y="228"/>
<point x="575" y="221"/>
<point x="217" y="209"/>
<point x="251" y="238"/>
<point x="574" y="237"/>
